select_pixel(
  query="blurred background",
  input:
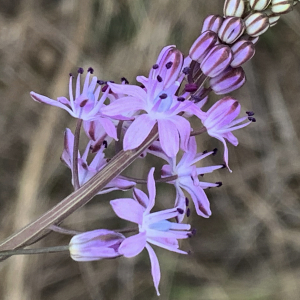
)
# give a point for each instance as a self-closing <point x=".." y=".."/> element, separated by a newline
<point x="248" y="249"/>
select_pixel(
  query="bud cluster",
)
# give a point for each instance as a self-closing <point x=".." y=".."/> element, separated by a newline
<point x="226" y="43"/>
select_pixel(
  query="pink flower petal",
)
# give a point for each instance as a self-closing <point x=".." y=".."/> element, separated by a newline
<point x="140" y="197"/>
<point x="128" y="209"/>
<point x="184" y="128"/>
<point x="128" y="89"/>
<point x="155" y="269"/>
<point x="133" y="245"/>
<point x="151" y="190"/>
<point x="109" y="127"/>
<point x="138" y="131"/>
<point x="169" y="137"/>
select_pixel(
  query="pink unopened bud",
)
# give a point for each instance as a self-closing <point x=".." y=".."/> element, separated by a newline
<point x="203" y="45"/>
<point x="216" y="61"/>
<point x="242" y="52"/>
<point x="233" y="8"/>
<point x="229" y="80"/>
<point x="259" y="5"/>
<point x="168" y="66"/>
<point x="95" y="245"/>
<point x="281" y="6"/>
<point x="256" y="24"/>
<point x="231" y="29"/>
<point x="212" y="22"/>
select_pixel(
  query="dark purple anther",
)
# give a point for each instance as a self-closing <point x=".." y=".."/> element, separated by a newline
<point x="216" y="61"/>
<point x="191" y="87"/>
<point x="83" y="103"/>
<point x="242" y="52"/>
<point x="105" y="144"/>
<point x="180" y="210"/>
<point x="203" y="44"/>
<point x="186" y="70"/>
<point x="250" y="113"/>
<point x="251" y="119"/>
<point x="104" y="88"/>
<point x="163" y="96"/>
<point x="188" y="212"/>
<point x="229" y="80"/>
<point x="101" y="82"/>
<point x="70" y="74"/>
<point x="204" y="152"/>
<point x="187" y="201"/>
<point x="215" y="151"/>
<point x="219" y="183"/>
<point x="181" y="99"/>
<point x="231" y="29"/>
<point x="159" y="79"/>
<point x="91" y="70"/>
<point x="169" y="64"/>
<point x="156" y="66"/>
<point x="80" y="70"/>
<point x="123" y="79"/>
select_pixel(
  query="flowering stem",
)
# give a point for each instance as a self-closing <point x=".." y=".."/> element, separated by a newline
<point x="34" y="251"/>
<point x="197" y="132"/>
<point x="160" y="180"/>
<point x="40" y="227"/>
<point x="61" y="230"/>
<point x="75" y="154"/>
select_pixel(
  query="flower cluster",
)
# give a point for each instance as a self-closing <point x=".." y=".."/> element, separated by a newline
<point x="176" y="89"/>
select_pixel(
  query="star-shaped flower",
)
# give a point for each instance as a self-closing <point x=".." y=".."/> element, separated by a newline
<point x="154" y="227"/>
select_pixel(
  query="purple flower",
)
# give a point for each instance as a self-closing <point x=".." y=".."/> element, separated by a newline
<point x="219" y="122"/>
<point x="188" y="177"/>
<point x="159" y="104"/>
<point x="86" y="105"/>
<point x="85" y="171"/>
<point x="95" y="245"/>
<point x="154" y="227"/>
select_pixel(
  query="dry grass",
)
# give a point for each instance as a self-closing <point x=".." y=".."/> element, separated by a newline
<point x="248" y="249"/>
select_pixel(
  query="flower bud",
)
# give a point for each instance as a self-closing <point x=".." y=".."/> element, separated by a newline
<point x="231" y="29"/>
<point x="259" y="5"/>
<point x="256" y="24"/>
<point x="273" y="20"/>
<point x="233" y="8"/>
<point x="95" y="245"/>
<point x="203" y="45"/>
<point x="216" y="61"/>
<point x="212" y="22"/>
<point x="281" y="6"/>
<point x="242" y="52"/>
<point x="248" y="38"/>
<point x="229" y="80"/>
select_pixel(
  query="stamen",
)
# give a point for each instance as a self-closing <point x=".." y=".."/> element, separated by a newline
<point x="169" y="64"/>
<point x="83" y="103"/>
<point x="186" y="70"/>
<point x="181" y="99"/>
<point x="80" y="70"/>
<point x="180" y="210"/>
<point x="101" y="82"/>
<point x="105" y="144"/>
<point x="156" y="66"/>
<point x="91" y="70"/>
<point x="123" y="79"/>
<point x="219" y="183"/>
<point x="187" y="201"/>
<point x="159" y="79"/>
<point x="215" y="151"/>
<point x="250" y="113"/>
<point x="224" y="166"/>
<point x="104" y="88"/>
<point x="188" y="212"/>
<point x="71" y="75"/>
<point x="251" y="119"/>
<point x="163" y="96"/>
<point x="204" y="152"/>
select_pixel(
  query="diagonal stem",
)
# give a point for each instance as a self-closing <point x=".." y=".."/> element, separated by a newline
<point x="39" y="228"/>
